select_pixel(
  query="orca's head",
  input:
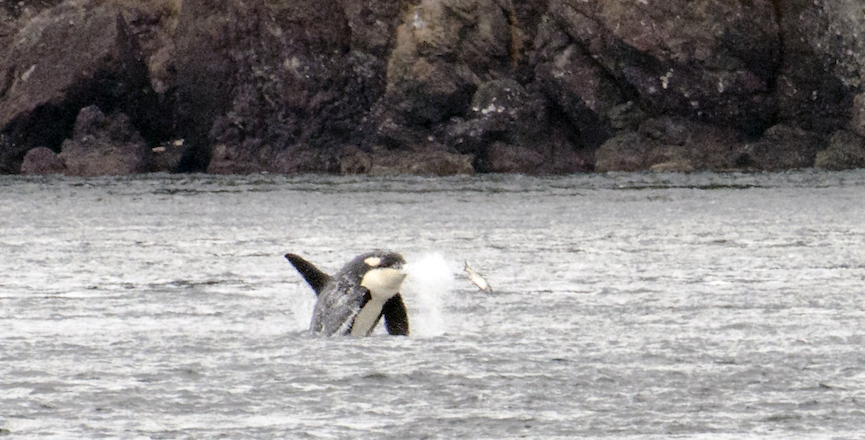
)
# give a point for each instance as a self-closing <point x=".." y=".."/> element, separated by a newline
<point x="381" y="259"/>
<point x="380" y="272"/>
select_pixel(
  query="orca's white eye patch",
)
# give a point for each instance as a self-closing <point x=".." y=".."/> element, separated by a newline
<point x="373" y="261"/>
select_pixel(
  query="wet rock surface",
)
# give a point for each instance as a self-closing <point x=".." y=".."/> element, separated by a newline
<point x="538" y="87"/>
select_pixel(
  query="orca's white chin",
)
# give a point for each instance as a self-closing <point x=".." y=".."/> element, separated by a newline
<point x="383" y="283"/>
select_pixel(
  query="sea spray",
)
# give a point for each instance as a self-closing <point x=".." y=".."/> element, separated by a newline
<point x="297" y="301"/>
<point x="426" y="289"/>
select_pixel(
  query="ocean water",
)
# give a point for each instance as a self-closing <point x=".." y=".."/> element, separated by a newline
<point x="625" y="306"/>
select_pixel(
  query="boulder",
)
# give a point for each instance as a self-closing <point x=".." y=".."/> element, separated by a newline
<point x="505" y="158"/>
<point x="42" y="161"/>
<point x="104" y="145"/>
<point x="846" y="151"/>
<point x="73" y="55"/>
<point x="670" y="144"/>
<point x="782" y="147"/>
<point x="624" y="152"/>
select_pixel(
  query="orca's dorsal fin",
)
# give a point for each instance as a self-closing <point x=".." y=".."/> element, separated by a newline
<point x="316" y="278"/>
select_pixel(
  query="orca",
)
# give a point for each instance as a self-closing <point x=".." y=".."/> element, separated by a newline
<point x="352" y="301"/>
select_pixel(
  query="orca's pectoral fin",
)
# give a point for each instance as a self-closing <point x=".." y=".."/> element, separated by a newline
<point x="395" y="316"/>
<point x="316" y="278"/>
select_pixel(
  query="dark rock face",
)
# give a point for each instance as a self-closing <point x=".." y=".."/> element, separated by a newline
<point x="65" y="58"/>
<point x="506" y="129"/>
<point x="670" y="144"/>
<point x="286" y="84"/>
<point x="8" y="29"/>
<point x="824" y="57"/>
<point x="372" y="24"/>
<point x="429" y="86"/>
<point x="708" y="60"/>
<point x="454" y="73"/>
<point x="441" y="46"/>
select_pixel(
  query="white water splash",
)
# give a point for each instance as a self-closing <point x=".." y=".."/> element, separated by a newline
<point x="299" y="309"/>
<point x="429" y="283"/>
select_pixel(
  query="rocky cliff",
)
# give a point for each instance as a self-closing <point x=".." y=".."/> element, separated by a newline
<point x="92" y="87"/>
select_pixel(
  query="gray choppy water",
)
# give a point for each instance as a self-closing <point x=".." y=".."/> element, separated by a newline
<point x="633" y="305"/>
